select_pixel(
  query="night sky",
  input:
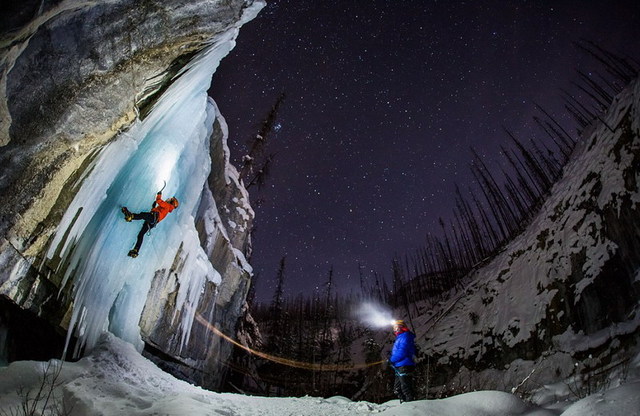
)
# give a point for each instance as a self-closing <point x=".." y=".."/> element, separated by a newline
<point x="384" y="100"/>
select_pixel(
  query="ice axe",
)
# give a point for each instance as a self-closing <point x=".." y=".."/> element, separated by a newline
<point x="159" y="192"/>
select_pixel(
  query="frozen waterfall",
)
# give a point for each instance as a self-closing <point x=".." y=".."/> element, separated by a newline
<point x="92" y="240"/>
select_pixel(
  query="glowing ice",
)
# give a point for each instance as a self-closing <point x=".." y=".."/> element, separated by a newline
<point x="172" y="145"/>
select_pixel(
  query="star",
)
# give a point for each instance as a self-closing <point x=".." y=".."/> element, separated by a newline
<point x="384" y="103"/>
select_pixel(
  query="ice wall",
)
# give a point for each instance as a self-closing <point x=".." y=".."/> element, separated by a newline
<point x="171" y="144"/>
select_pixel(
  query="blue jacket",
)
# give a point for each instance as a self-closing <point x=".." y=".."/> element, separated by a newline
<point x="403" y="350"/>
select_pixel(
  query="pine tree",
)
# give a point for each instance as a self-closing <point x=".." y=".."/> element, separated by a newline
<point x="277" y="314"/>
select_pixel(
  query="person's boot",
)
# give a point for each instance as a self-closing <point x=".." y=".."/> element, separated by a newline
<point x="133" y="253"/>
<point x="128" y="216"/>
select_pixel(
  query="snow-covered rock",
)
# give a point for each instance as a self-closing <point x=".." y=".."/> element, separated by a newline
<point x="563" y="292"/>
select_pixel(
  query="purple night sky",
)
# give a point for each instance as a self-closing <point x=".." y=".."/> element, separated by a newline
<point x="385" y="99"/>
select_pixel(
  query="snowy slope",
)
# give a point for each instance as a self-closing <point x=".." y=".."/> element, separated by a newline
<point x="115" y="380"/>
<point x="566" y="288"/>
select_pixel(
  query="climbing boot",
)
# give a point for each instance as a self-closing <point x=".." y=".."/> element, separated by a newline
<point x="128" y="216"/>
<point x="133" y="253"/>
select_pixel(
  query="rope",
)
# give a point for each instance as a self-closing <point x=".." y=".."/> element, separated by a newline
<point x="281" y="360"/>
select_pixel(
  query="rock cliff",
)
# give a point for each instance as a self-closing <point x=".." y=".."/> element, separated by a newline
<point x="76" y="79"/>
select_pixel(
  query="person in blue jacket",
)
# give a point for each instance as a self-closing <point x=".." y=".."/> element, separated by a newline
<point x="401" y="360"/>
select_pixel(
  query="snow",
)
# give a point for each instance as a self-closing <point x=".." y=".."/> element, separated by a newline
<point x="116" y="380"/>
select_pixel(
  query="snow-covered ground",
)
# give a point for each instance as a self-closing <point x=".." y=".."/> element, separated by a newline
<point x="116" y="380"/>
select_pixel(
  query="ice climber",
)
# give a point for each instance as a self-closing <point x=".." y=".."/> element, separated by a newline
<point x="159" y="210"/>
<point x="401" y="360"/>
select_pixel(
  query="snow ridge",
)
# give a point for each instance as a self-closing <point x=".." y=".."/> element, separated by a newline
<point x="548" y="296"/>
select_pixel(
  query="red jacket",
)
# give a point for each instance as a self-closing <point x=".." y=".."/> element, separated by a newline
<point x="162" y="207"/>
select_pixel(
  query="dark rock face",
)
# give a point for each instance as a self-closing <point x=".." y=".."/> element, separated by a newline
<point x="73" y="75"/>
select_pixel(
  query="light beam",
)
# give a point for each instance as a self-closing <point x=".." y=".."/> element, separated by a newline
<point x="375" y="315"/>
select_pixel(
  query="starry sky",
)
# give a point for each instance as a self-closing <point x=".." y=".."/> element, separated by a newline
<point x="384" y="100"/>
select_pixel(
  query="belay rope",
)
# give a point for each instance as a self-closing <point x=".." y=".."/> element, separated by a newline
<point x="284" y="361"/>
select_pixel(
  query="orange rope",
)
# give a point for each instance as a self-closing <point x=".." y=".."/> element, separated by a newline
<point x="284" y="361"/>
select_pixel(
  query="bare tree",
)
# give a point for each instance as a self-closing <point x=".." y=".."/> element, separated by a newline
<point x="248" y="172"/>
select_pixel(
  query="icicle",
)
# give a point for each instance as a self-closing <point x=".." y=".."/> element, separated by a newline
<point x="171" y="144"/>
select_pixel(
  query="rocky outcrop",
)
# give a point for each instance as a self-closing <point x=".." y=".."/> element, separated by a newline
<point x="562" y="299"/>
<point x="74" y="75"/>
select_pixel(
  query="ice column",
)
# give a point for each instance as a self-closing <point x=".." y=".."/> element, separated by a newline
<point x="171" y="144"/>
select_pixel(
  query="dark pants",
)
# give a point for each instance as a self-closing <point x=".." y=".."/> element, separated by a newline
<point x="403" y="384"/>
<point x="150" y="221"/>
